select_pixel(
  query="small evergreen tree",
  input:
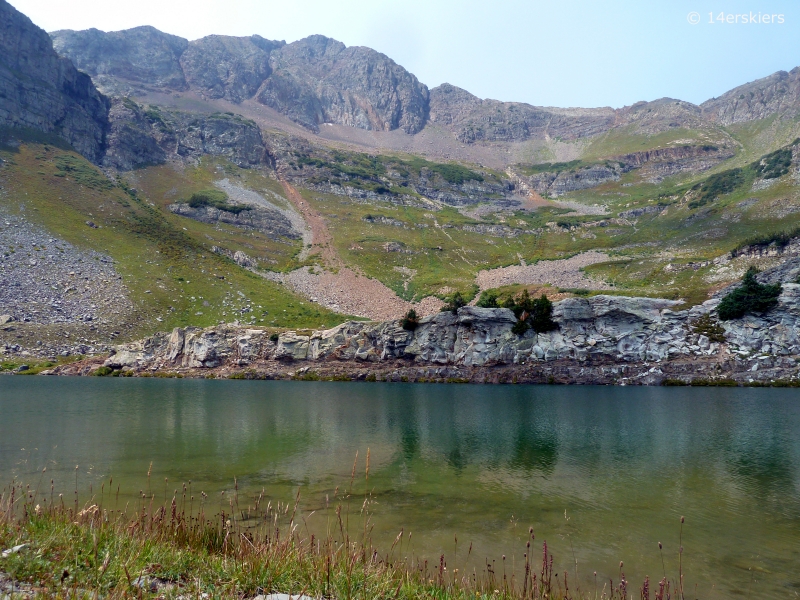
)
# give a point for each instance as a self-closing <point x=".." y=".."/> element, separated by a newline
<point x="411" y="321"/>
<point x="531" y="313"/>
<point x="488" y="299"/>
<point x="750" y="297"/>
<point x="456" y="301"/>
<point x="541" y="315"/>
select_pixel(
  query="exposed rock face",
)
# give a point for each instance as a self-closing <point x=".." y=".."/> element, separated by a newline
<point x="474" y="120"/>
<point x="142" y="56"/>
<point x="662" y="162"/>
<point x="270" y="222"/>
<point x="651" y="118"/>
<point x="228" y="67"/>
<point x="313" y="81"/>
<point x="558" y="182"/>
<point x="140" y="137"/>
<point x="778" y="93"/>
<point x="655" y="164"/>
<point x="318" y="80"/>
<point x="218" y="135"/>
<point x="44" y="92"/>
<point x="602" y="330"/>
<point x="130" y="142"/>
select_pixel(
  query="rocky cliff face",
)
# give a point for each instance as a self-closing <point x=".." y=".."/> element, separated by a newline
<point x="44" y="92"/>
<point x="779" y="93"/>
<point x="228" y="67"/>
<point x="312" y="81"/>
<point x="318" y="80"/>
<point x="474" y="120"/>
<point x="652" y="118"/>
<point x="655" y="165"/>
<point x="269" y="222"/>
<point x="558" y="182"/>
<point x="644" y="333"/>
<point x="122" y="61"/>
<point x="139" y="137"/>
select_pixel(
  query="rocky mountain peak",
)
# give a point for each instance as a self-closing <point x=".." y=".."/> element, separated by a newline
<point x="319" y="80"/>
<point x="142" y="55"/>
<point x="228" y="67"/>
<point x="777" y="93"/>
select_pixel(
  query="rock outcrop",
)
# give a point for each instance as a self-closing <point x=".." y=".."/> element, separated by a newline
<point x="271" y="223"/>
<point x="319" y="80"/>
<point x="643" y="336"/>
<point x="222" y="66"/>
<point x="140" y="137"/>
<point x="475" y="120"/>
<point x="777" y="94"/>
<point x="313" y="81"/>
<point x="122" y="61"/>
<point x="42" y="91"/>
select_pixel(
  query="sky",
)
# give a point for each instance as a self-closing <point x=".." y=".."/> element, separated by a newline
<point x="558" y="53"/>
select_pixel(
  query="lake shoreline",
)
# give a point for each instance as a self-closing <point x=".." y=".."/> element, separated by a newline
<point x="708" y="371"/>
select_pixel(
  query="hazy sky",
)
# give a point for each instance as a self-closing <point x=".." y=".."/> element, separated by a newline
<point x="558" y="53"/>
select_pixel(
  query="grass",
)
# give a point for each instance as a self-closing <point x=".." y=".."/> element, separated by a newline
<point x="165" y="260"/>
<point x="37" y="365"/>
<point x="181" y="545"/>
<point x="626" y="140"/>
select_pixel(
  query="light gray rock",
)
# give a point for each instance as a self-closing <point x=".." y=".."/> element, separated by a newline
<point x="606" y="328"/>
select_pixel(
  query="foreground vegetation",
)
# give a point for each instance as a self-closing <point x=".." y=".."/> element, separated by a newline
<point x="176" y="548"/>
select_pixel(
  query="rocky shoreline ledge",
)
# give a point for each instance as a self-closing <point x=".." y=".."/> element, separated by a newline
<point x="600" y="340"/>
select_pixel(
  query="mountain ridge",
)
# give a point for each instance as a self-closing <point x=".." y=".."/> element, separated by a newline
<point x="318" y="80"/>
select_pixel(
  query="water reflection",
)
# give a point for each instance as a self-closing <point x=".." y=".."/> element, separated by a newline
<point x="608" y="469"/>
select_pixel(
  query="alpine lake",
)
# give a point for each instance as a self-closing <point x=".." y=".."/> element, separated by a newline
<point x="603" y="474"/>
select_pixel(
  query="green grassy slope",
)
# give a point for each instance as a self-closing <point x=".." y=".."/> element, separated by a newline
<point x="165" y="260"/>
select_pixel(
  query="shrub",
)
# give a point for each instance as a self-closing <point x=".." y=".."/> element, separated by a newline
<point x="455" y="174"/>
<point x="533" y="313"/>
<point x="520" y="327"/>
<point x="456" y="301"/>
<point x="718" y="185"/>
<point x="673" y="382"/>
<point x="708" y="327"/>
<point x="488" y="299"/>
<point x="82" y="172"/>
<point x="750" y="297"/>
<point x="102" y="371"/>
<point x="411" y="320"/>
<point x="779" y="239"/>
<point x="775" y="164"/>
<point x="541" y="316"/>
<point x="215" y="199"/>
<point x="703" y="382"/>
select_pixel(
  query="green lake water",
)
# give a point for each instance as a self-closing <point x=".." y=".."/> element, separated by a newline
<point x="602" y="473"/>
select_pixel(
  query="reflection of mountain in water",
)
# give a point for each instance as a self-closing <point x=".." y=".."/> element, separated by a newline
<point x="534" y="451"/>
<point x="483" y="461"/>
<point x="305" y="433"/>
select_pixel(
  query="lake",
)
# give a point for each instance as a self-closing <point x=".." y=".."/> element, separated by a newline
<point x="602" y="473"/>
